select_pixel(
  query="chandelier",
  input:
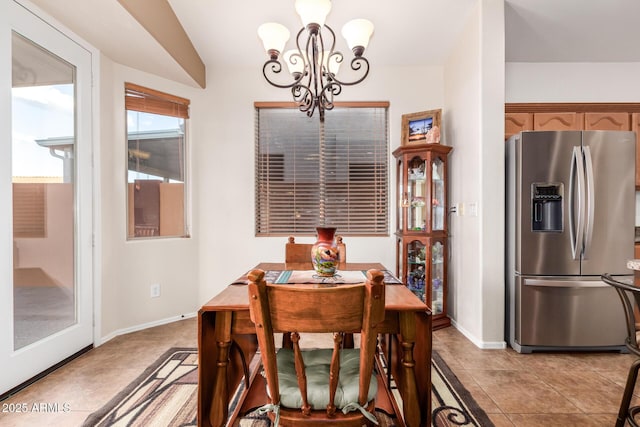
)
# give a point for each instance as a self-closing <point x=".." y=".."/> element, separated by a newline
<point x="314" y="63"/>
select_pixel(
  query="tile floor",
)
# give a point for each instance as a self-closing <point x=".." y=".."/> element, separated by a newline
<point x="91" y="380"/>
<point x="514" y="389"/>
<point x="539" y="389"/>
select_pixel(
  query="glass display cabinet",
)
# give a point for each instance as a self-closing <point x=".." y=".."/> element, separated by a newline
<point x="422" y="233"/>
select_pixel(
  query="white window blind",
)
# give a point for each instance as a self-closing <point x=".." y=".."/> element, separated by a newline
<point x="310" y="173"/>
<point x="139" y="98"/>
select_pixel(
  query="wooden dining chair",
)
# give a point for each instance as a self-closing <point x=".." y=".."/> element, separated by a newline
<point x="300" y="253"/>
<point x="625" y="292"/>
<point x="335" y="386"/>
<point x="297" y="256"/>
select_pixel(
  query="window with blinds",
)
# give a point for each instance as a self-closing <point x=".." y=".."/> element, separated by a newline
<point x="156" y="156"/>
<point x="310" y="173"/>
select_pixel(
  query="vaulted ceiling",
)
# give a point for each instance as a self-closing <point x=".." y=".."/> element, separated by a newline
<point x="407" y="32"/>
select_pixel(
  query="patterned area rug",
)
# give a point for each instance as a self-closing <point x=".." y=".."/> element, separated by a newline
<point x="166" y="395"/>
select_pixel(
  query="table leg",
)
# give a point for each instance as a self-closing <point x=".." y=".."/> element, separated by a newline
<point x="422" y="355"/>
<point x="408" y="387"/>
<point x="219" y="410"/>
<point x="207" y="353"/>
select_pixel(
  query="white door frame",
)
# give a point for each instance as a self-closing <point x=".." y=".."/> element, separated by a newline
<point x="23" y="364"/>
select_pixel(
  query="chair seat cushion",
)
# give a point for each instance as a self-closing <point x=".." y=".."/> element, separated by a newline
<point x="317" y="363"/>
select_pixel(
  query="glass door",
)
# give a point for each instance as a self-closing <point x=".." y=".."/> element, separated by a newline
<point x="48" y="316"/>
<point x="417" y="192"/>
<point x="437" y="277"/>
<point x="43" y="186"/>
<point x="437" y="195"/>
<point x="416" y="269"/>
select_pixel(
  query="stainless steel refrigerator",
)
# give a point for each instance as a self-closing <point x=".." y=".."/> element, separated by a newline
<point x="570" y="209"/>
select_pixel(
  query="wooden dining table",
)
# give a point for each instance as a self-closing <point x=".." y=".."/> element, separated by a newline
<point x="227" y="345"/>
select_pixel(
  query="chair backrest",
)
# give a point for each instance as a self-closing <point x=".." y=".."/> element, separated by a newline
<point x="301" y="252"/>
<point x="624" y="292"/>
<point x="297" y="309"/>
<point x="297" y="252"/>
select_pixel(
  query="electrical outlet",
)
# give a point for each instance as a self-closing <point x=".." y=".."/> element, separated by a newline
<point x="155" y="290"/>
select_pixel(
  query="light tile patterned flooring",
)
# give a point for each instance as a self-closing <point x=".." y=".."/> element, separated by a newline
<point x="91" y="380"/>
<point x="539" y="389"/>
<point x="515" y="390"/>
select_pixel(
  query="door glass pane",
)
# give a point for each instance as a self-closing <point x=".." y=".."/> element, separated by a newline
<point x="417" y="214"/>
<point x="43" y="141"/>
<point x="156" y="175"/>
<point x="437" y="277"/>
<point x="403" y="198"/>
<point x="416" y="274"/>
<point x="437" y="191"/>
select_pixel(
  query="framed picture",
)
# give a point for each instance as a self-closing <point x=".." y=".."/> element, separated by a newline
<point x="421" y="128"/>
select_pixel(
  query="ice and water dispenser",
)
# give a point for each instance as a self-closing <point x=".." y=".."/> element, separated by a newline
<point x="546" y="205"/>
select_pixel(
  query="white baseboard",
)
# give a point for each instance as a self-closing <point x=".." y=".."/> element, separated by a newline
<point x="485" y="345"/>
<point x="136" y="328"/>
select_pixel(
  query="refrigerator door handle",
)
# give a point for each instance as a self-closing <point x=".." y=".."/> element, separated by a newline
<point x="560" y="283"/>
<point x="576" y="189"/>
<point x="590" y="193"/>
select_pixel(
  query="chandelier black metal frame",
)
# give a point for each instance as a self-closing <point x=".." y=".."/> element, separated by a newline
<point x="314" y="68"/>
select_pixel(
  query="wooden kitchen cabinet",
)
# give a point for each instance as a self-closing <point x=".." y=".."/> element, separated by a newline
<point x="517" y="122"/>
<point x="422" y="225"/>
<point x="558" y="121"/>
<point x="606" y="121"/>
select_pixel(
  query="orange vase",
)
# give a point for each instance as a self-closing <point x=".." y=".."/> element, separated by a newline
<point x="324" y="252"/>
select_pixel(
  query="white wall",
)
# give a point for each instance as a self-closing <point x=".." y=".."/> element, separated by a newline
<point x="223" y="133"/>
<point x="572" y="82"/>
<point x="462" y="121"/>
<point x="130" y="267"/>
<point x="474" y="125"/>
<point x="492" y="204"/>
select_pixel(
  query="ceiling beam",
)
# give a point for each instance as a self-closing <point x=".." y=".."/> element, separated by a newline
<point x="159" y="19"/>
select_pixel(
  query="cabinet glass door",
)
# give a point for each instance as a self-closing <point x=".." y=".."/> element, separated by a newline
<point x="416" y="193"/>
<point x="403" y="201"/>
<point x="437" y="277"/>
<point x="416" y="274"/>
<point x="437" y="192"/>
<point x="400" y="259"/>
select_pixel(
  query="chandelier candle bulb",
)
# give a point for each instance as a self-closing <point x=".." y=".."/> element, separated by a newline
<point x="357" y="33"/>
<point x="313" y="11"/>
<point x="274" y="36"/>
